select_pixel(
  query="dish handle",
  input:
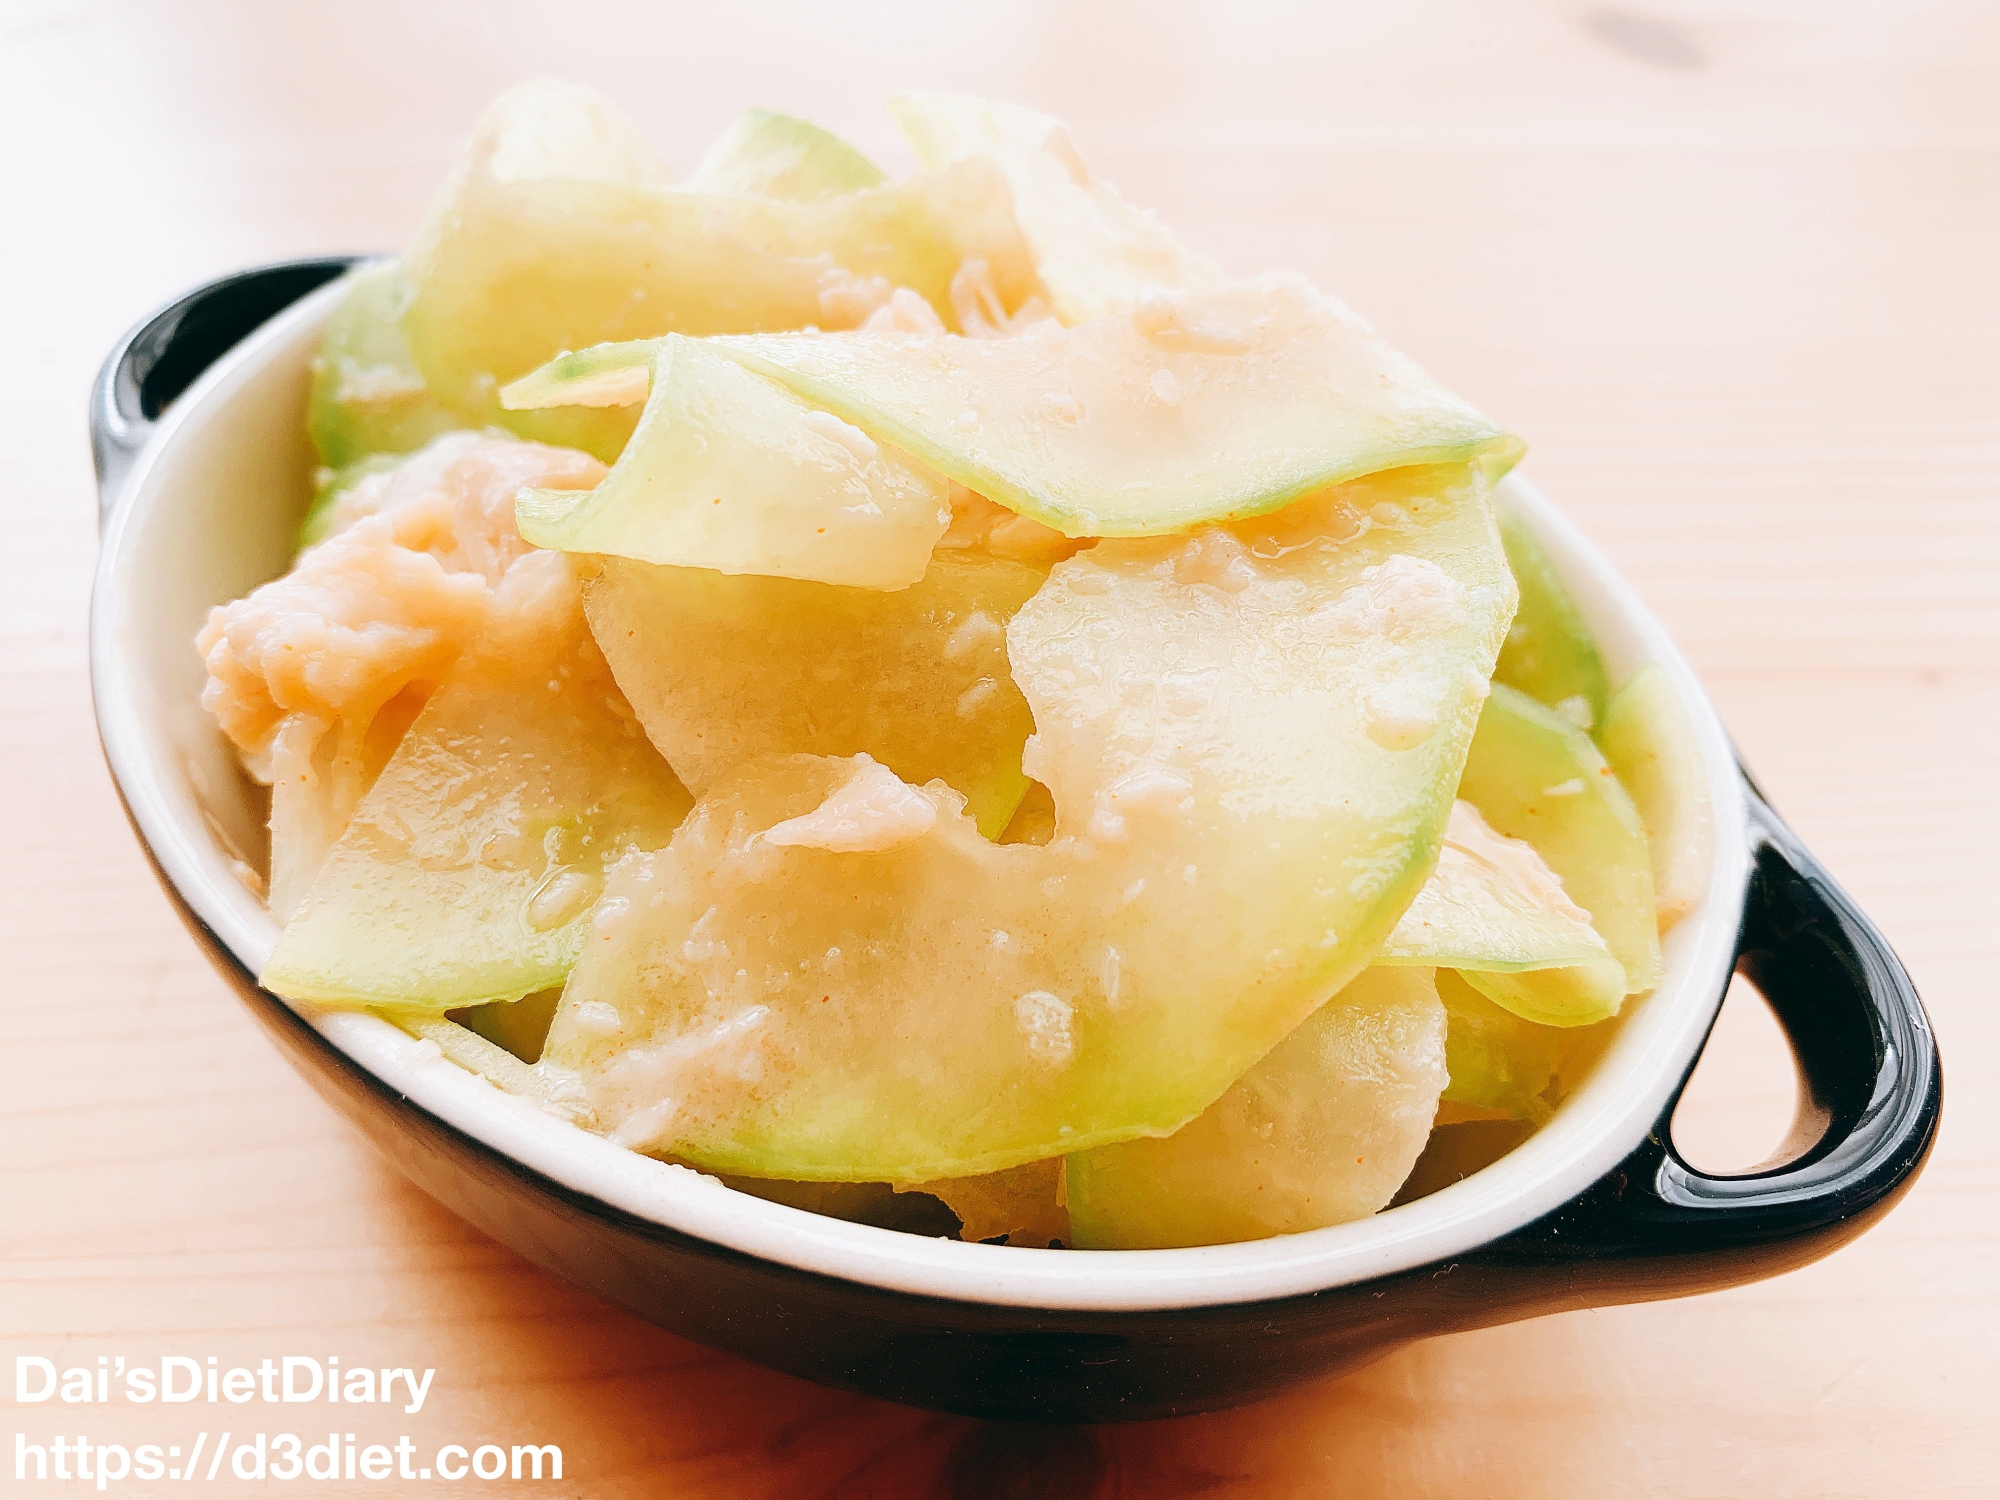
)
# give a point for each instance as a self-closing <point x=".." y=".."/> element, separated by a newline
<point x="1871" y="1092"/>
<point x="162" y="355"/>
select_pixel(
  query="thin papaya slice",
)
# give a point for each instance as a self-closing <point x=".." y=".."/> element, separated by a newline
<point x="1649" y="741"/>
<point x="1322" y="1130"/>
<point x="769" y="155"/>
<point x="1504" y="1067"/>
<point x="1250" y="736"/>
<point x="1493" y="906"/>
<point x="468" y="872"/>
<point x="1213" y="404"/>
<point x="1550" y="654"/>
<point x="721" y="670"/>
<point x="730" y="471"/>
<point x="1535" y="776"/>
<point x="367" y="395"/>
<point x="1094" y="252"/>
<point x="558" y="231"/>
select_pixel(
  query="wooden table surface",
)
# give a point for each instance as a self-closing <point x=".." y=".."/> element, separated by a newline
<point x="1733" y="269"/>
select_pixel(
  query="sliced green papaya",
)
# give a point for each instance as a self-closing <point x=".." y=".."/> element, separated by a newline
<point x="723" y="669"/>
<point x="1504" y="1066"/>
<point x="1094" y="251"/>
<point x="1650" y="742"/>
<point x="1535" y="776"/>
<point x="730" y="471"/>
<point x="367" y="394"/>
<point x="468" y="871"/>
<point x="1209" y="405"/>
<point x="1250" y="736"/>
<point x="1550" y="654"/>
<point x="1493" y="906"/>
<point x="602" y="375"/>
<point x="556" y="233"/>
<point x="317" y="674"/>
<point x="1322" y="1130"/>
<point x="766" y="155"/>
<point x="319" y="773"/>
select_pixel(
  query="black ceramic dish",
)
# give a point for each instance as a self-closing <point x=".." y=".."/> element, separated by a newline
<point x="202" y="465"/>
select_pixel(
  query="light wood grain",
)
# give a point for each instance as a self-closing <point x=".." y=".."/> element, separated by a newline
<point x="1730" y="267"/>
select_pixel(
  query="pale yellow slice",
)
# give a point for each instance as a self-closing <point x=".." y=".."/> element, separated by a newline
<point x="1535" y="776"/>
<point x="730" y="471"/>
<point x="1250" y="736"/>
<point x="721" y="670"/>
<point x="1207" y="405"/>
<point x="1322" y="1130"/>
<point x="1094" y="251"/>
<point x="1650" y="742"/>
<point x="557" y="231"/>
<point x="367" y="396"/>
<point x="769" y="155"/>
<point x="1550" y="654"/>
<point x="468" y="871"/>
<point x="1505" y="1067"/>
<point x="1494" y="906"/>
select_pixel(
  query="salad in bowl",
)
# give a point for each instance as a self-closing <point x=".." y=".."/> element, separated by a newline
<point x="932" y="703"/>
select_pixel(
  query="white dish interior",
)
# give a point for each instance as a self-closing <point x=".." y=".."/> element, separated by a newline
<point x="209" y="511"/>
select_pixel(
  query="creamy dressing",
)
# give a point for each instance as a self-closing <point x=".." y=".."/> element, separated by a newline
<point x="1400" y="597"/>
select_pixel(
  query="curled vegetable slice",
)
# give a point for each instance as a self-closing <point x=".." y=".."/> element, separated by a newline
<point x="1250" y="735"/>
<point x="1549" y="654"/>
<point x="1095" y="252"/>
<point x="1650" y="742"/>
<point x="731" y="471"/>
<point x="769" y="155"/>
<point x="1207" y="405"/>
<point x="1503" y="1066"/>
<point x="1494" y="906"/>
<point x="1535" y="776"/>
<point x="1322" y="1130"/>
<point x="367" y="396"/>
<point x="557" y="231"/>
<point x="721" y="670"/>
